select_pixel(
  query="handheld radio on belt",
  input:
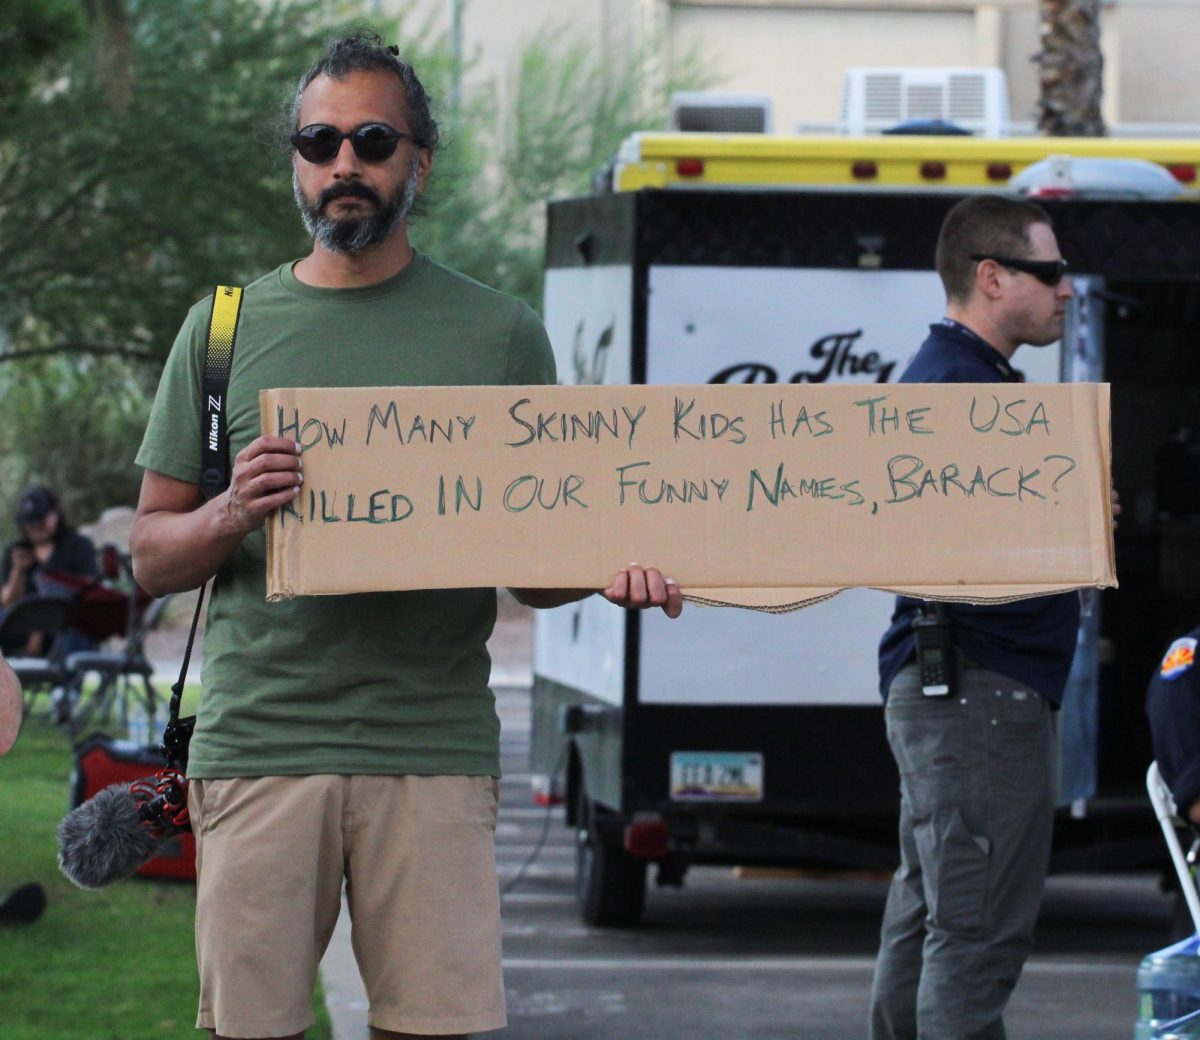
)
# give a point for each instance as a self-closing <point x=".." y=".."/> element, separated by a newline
<point x="936" y="658"/>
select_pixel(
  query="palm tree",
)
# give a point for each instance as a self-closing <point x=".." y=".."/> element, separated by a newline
<point x="1071" y="69"/>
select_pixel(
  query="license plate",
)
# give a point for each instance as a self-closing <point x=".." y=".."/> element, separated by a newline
<point x="716" y="776"/>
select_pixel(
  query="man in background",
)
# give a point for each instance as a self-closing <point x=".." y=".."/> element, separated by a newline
<point x="1173" y="708"/>
<point x="977" y="756"/>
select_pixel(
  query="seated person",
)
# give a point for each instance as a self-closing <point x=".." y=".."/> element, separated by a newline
<point x="1173" y="707"/>
<point x="48" y="544"/>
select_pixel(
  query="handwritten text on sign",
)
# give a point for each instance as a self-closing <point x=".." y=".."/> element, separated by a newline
<point x="971" y="486"/>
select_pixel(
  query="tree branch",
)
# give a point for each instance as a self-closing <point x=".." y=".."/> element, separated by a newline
<point x="91" y="349"/>
<point x="32" y="235"/>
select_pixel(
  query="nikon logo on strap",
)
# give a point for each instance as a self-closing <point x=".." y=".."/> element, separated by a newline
<point x="218" y="363"/>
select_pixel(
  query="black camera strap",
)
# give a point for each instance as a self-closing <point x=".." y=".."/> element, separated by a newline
<point x="214" y="478"/>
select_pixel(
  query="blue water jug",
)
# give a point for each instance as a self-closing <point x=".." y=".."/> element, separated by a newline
<point x="1169" y="993"/>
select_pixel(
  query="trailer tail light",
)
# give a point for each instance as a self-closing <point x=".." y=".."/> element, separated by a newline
<point x="545" y="791"/>
<point x="1185" y="173"/>
<point x="933" y="171"/>
<point x="1052" y="191"/>
<point x="999" y="171"/>
<point x="646" y="837"/>
<point x="864" y="170"/>
<point x="689" y="167"/>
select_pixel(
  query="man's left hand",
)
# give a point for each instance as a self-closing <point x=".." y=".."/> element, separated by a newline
<point x="640" y="587"/>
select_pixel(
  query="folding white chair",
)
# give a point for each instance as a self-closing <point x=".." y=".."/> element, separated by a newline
<point x="1168" y="818"/>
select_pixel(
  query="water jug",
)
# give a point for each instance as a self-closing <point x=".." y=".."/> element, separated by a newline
<point x="1169" y="993"/>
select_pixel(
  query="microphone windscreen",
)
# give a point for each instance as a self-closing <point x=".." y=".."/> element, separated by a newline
<point x="104" y="840"/>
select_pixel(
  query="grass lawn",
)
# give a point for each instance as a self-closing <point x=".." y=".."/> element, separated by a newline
<point x="118" y="964"/>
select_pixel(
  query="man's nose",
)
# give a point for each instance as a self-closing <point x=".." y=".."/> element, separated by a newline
<point x="346" y="162"/>
<point x="1066" y="289"/>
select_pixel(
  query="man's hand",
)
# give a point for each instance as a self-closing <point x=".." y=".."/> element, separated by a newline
<point x="22" y="558"/>
<point x="179" y="541"/>
<point x="640" y="587"/>
<point x="1116" y="507"/>
<point x="635" y="588"/>
<point x="267" y="474"/>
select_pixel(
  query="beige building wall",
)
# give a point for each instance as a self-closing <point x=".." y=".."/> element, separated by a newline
<point x="494" y="31"/>
<point x="1158" y="58"/>
<point x="798" y="56"/>
<point x="797" y="50"/>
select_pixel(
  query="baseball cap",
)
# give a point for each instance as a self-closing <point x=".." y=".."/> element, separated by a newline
<point x="35" y="502"/>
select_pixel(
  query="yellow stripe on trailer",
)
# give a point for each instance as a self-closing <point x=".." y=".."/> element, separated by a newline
<point x="902" y="161"/>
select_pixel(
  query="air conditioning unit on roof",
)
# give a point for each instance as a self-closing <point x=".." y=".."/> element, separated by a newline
<point x="875" y="100"/>
<point x="706" y="111"/>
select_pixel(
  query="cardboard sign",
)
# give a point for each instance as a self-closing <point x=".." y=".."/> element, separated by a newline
<point x="770" y="496"/>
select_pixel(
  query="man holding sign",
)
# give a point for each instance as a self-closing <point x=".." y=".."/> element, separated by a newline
<point x="342" y="736"/>
<point x="972" y="691"/>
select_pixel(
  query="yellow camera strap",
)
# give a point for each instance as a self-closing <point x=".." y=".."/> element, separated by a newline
<point x="214" y="478"/>
<point x="218" y="363"/>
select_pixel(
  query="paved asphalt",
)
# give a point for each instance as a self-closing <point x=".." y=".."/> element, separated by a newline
<point x="762" y="958"/>
<point x="731" y="957"/>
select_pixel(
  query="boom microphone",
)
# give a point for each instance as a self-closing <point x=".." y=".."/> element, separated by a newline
<point x="113" y="833"/>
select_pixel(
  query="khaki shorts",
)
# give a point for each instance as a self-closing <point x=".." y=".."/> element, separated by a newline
<point x="418" y="857"/>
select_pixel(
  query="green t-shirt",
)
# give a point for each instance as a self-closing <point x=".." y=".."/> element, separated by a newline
<point x="384" y="683"/>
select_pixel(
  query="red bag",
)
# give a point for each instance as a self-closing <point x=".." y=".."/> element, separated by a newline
<point x="101" y="761"/>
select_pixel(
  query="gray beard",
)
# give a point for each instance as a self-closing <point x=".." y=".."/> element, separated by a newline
<point x="357" y="234"/>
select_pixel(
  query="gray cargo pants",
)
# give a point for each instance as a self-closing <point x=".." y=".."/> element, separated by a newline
<point x="977" y="777"/>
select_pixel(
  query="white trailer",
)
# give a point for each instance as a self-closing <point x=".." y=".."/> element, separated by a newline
<point x="738" y="737"/>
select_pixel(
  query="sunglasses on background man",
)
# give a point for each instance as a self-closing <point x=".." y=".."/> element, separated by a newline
<point x="1048" y="272"/>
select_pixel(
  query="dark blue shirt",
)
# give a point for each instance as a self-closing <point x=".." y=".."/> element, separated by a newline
<point x="1031" y="640"/>
<point x="1173" y="707"/>
<point x="73" y="553"/>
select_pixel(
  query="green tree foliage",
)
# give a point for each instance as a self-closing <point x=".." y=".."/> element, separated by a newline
<point x="77" y="423"/>
<point x="142" y="161"/>
<point x="31" y="32"/>
<point x="139" y="166"/>
<point x="126" y="190"/>
<point x="567" y="110"/>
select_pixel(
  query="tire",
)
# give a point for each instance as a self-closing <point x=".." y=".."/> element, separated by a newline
<point x="609" y="883"/>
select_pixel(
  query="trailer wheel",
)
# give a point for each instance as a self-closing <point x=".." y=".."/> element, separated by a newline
<point x="610" y="883"/>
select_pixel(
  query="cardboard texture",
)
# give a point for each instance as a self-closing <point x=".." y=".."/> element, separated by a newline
<point x="768" y="496"/>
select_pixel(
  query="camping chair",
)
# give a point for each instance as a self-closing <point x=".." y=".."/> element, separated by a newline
<point x="103" y="608"/>
<point x="116" y="672"/>
<point x="48" y="615"/>
<point x="1168" y="819"/>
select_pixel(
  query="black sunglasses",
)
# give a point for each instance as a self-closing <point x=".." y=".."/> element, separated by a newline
<point x="1048" y="272"/>
<point x="372" y="142"/>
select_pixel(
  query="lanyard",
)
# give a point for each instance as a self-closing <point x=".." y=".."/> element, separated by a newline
<point x="994" y="357"/>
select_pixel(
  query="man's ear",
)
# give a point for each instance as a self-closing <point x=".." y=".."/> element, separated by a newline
<point x="424" y="167"/>
<point x="988" y="282"/>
